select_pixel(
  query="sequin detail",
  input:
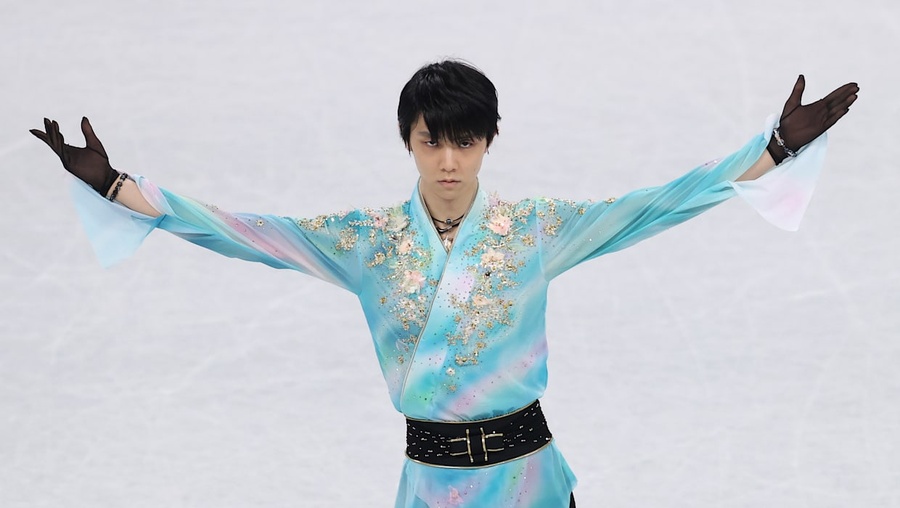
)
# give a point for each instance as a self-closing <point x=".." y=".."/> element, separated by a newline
<point x="404" y="263"/>
<point x="494" y="261"/>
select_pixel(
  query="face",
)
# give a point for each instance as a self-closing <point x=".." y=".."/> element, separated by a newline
<point x="449" y="170"/>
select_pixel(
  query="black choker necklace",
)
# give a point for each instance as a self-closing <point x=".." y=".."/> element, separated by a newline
<point x="450" y="224"/>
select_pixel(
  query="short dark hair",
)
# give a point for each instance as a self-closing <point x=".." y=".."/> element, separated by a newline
<point x="457" y="101"/>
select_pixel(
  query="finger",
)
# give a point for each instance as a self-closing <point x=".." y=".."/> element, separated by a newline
<point x="60" y="142"/>
<point x="833" y="118"/>
<point x="49" y="129"/>
<point x="90" y="138"/>
<point x="52" y="136"/>
<point x="842" y="104"/>
<point x="840" y="94"/>
<point x="48" y="136"/>
<point x="796" y="97"/>
<point x="41" y="135"/>
<point x="55" y="129"/>
<point x="846" y="102"/>
<point x="838" y="112"/>
<point x="58" y="138"/>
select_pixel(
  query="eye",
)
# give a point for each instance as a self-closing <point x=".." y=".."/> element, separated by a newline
<point x="465" y="143"/>
<point x="431" y="142"/>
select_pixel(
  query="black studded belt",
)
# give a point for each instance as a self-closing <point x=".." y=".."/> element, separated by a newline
<point x="478" y="443"/>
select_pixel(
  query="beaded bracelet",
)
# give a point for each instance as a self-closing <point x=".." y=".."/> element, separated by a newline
<point x="780" y="141"/>
<point x="119" y="181"/>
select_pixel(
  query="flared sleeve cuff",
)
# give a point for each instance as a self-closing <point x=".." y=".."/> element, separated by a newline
<point x="782" y="195"/>
<point x="115" y="231"/>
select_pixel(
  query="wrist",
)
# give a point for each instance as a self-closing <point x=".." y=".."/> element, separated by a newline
<point x="778" y="149"/>
<point x="116" y="186"/>
<point x="108" y="182"/>
<point x="777" y="152"/>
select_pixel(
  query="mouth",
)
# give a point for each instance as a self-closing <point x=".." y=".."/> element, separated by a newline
<point x="448" y="182"/>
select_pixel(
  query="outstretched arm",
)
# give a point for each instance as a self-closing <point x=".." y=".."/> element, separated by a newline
<point x="571" y="233"/>
<point x="323" y="247"/>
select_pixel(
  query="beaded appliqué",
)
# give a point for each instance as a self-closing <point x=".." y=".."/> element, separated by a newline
<point x="347" y="236"/>
<point x="495" y="261"/>
<point x="406" y="263"/>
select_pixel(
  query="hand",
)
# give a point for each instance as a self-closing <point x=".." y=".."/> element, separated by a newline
<point x="90" y="164"/>
<point x="801" y="124"/>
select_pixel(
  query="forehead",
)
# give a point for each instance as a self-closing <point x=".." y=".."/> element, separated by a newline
<point x="419" y="127"/>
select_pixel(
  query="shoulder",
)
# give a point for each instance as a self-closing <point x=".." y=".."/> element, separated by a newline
<point x="514" y="210"/>
<point x="376" y="218"/>
<point x="386" y="219"/>
<point x="326" y="221"/>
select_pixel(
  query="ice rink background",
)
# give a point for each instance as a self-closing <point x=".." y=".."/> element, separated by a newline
<point x="723" y="364"/>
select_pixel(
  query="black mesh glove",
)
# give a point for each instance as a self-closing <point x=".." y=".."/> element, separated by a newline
<point x="802" y="124"/>
<point x="90" y="164"/>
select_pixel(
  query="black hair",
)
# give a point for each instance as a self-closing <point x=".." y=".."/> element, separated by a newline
<point x="457" y="101"/>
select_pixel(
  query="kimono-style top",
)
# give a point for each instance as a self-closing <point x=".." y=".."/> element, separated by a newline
<point x="460" y="333"/>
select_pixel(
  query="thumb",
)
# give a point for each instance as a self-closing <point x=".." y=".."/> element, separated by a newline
<point x="793" y="101"/>
<point x="90" y="138"/>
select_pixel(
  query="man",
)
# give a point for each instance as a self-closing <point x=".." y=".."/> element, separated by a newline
<point x="453" y="282"/>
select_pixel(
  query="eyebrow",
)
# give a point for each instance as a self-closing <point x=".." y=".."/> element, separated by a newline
<point x="423" y="134"/>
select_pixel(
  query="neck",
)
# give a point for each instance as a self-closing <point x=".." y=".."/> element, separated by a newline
<point x="448" y="208"/>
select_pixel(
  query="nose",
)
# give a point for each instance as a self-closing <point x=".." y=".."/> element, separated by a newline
<point x="448" y="159"/>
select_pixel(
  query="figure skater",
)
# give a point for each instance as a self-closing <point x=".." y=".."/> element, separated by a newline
<point x="453" y="282"/>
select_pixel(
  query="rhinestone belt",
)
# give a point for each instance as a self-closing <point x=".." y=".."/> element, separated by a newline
<point x="478" y="443"/>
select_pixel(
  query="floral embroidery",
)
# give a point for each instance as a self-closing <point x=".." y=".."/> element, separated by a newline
<point x="413" y="280"/>
<point x="480" y="301"/>
<point x="319" y="221"/>
<point x="405" y="264"/>
<point x="347" y="236"/>
<point x="500" y="224"/>
<point x="492" y="259"/>
<point x="405" y="246"/>
<point x="554" y="220"/>
<point x="496" y="258"/>
<point x="397" y="220"/>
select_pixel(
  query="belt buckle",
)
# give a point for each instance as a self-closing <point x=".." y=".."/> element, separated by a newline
<point x="468" y="440"/>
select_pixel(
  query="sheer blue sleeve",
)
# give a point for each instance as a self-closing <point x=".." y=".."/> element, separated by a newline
<point x="572" y="232"/>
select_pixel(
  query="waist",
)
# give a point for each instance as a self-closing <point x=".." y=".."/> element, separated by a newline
<point x="478" y="443"/>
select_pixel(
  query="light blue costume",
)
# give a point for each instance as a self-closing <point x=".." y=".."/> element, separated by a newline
<point x="460" y="335"/>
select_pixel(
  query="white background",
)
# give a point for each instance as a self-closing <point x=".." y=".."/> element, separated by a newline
<point x="723" y="364"/>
